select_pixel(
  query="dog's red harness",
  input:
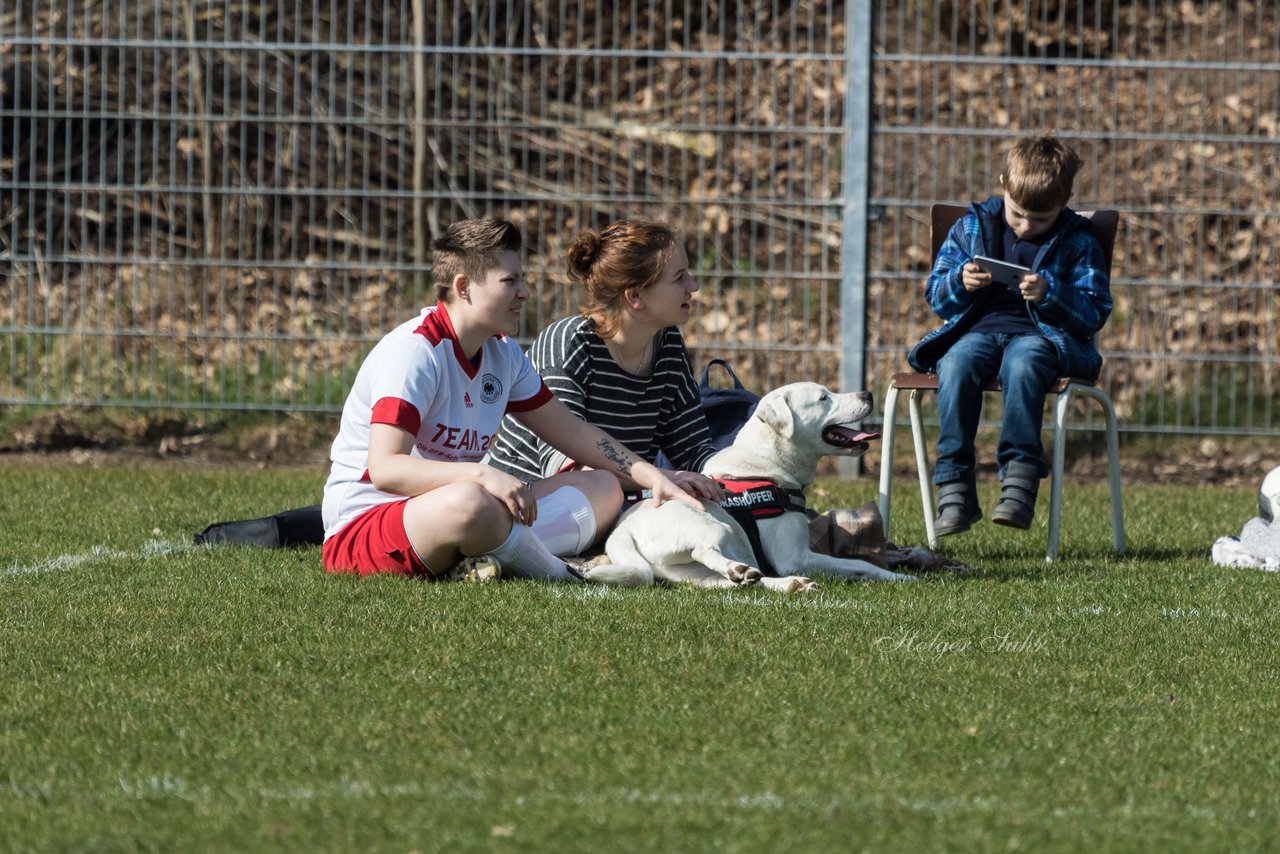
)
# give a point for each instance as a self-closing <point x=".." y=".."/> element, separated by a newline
<point x="761" y="499"/>
<point x="749" y="500"/>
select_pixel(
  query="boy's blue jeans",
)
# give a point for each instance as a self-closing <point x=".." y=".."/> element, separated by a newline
<point x="1027" y="365"/>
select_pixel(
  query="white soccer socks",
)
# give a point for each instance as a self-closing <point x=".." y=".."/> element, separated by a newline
<point x="565" y="524"/>
<point x="523" y="555"/>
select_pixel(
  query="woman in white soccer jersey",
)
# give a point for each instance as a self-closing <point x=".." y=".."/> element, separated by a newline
<point x="407" y="492"/>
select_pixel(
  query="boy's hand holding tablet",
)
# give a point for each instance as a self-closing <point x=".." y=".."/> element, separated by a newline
<point x="983" y="271"/>
<point x="1002" y="272"/>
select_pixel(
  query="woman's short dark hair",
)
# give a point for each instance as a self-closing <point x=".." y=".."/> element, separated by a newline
<point x="470" y="247"/>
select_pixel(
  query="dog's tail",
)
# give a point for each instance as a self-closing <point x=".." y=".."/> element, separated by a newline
<point x="616" y="575"/>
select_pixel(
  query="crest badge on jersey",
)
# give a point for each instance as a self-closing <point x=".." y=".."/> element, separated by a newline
<point x="490" y="388"/>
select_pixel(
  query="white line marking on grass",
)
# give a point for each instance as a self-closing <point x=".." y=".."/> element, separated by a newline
<point x="583" y="592"/>
<point x="1193" y="613"/>
<point x="168" y="785"/>
<point x="1097" y="611"/>
<point x="97" y="554"/>
<point x="64" y="562"/>
<point x="1076" y="611"/>
<point x="1165" y="612"/>
<point x="808" y="601"/>
<point x="345" y="789"/>
<point x="745" y="596"/>
<point x="754" y="597"/>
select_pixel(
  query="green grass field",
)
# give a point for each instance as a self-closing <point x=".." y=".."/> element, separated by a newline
<point x="159" y="697"/>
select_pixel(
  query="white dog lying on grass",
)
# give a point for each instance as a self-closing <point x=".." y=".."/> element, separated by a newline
<point x="777" y="451"/>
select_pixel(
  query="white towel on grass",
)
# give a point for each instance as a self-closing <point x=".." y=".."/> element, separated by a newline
<point x="1257" y="547"/>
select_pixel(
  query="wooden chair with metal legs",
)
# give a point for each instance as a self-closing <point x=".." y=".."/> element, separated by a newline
<point x="1105" y="223"/>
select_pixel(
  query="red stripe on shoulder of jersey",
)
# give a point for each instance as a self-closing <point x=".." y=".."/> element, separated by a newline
<point x="529" y="404"/>
<point x="397" y="412"/>
<point x="437" y="327"/>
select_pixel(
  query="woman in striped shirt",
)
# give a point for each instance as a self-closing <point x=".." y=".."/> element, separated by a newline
<point x="622" y="364"/>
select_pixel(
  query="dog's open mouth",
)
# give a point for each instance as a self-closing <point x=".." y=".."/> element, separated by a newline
<point x="848" y="440"/>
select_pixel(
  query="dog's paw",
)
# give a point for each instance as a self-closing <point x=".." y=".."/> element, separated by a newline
<point x="740" y="573"/>
<point x="791" y="584"/>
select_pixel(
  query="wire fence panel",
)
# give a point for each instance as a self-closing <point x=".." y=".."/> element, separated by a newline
<point x="1176" y="112"/>
<point x="221" y="206"/>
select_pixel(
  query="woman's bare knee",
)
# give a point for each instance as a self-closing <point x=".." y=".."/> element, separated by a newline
<point x="460" y="518"/>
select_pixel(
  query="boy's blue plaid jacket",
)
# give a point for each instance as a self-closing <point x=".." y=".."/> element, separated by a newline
<point x="1070" y="262"/>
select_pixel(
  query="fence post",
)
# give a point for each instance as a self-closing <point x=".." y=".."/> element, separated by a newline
<point x="419" y="148"/>
<point x="857" y="189"/>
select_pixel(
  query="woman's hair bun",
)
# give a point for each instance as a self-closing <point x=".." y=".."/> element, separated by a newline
<point x="583" y="253"/>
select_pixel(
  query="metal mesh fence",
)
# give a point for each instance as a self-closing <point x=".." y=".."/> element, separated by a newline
<point x="1176" y="112"/>
<point x="220" y="206"/>
<point x="216" y="205"/>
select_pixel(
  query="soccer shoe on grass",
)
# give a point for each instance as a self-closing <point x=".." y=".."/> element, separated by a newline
<point x="474" y="570"/>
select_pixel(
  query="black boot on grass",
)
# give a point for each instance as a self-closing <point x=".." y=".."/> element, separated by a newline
<point x="1017" y="505"/>
<point x="957" y="506"/>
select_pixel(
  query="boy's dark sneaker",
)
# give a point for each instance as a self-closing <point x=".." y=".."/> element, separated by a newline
<point x="1017" y="505"/>
<point x="957" y="506"/>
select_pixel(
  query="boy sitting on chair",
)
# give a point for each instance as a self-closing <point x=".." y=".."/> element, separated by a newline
<point x="1026" y="335"/>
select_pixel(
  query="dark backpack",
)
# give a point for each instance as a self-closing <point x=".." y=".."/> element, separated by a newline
<point x="290" y="529"/>
<point x="727" y="409"/>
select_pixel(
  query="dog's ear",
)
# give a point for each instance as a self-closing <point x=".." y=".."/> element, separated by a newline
<point x="775" y="412"/>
